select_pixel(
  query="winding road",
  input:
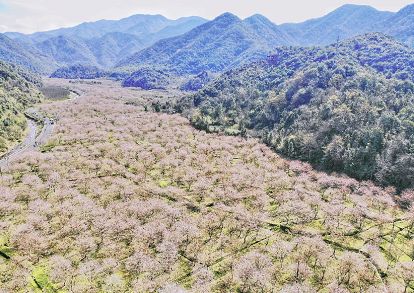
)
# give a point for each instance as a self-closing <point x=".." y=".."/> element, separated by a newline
<point x="34" y="138"/>
<point x="32" y="141"/>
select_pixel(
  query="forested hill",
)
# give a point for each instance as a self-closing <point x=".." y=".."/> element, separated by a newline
<point x="348" y="107"/>
<point x="25" y="55"/>
<point x="220" y="44"/>
<point x="18" y="90"/>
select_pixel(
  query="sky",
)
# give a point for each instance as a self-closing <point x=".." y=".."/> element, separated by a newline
<point x="29" y="16"/>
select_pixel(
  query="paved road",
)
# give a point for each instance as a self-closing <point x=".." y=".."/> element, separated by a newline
<point x="33" y="138"/>
<point x="44" y="135"/>
<point x="32" y="141"/>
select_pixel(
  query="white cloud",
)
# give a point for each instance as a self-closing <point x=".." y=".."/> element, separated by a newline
<point x="36" y="15"/>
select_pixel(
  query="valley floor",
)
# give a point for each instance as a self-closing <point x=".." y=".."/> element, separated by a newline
<point x="121" y="199"/>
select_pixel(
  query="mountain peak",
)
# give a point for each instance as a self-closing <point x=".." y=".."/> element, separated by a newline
<point x="258" y="18"/>
<point x="353" y="7"/>
<point x="409" y="9"/>
<point x="349" y="9"/>
<point x="227" y="17"/>
<point x="145" y="16"/>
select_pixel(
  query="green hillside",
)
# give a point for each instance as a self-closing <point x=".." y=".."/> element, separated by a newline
<point x="345" y="108"/>
<point x="17" y="92"/>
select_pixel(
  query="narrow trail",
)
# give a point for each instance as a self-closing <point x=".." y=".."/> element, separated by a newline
<point x="32" y="140"/>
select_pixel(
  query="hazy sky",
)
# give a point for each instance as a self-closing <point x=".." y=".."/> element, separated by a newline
<point x="38" y="15"/>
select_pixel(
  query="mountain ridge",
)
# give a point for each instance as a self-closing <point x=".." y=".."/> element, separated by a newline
<point x="24" y="55"/>
<point x="344" y="22"/>
<point x="226" y="41"/>
<point x="217" y="45"/>
<point x="101" y="43"/>
<point x="101" y="27"/>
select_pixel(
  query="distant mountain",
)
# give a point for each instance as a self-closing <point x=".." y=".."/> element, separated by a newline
<point x="102" y="43"/>
<point x="222" y="43"/>
<point x="347" y="107"/>
<point x="178" y="27"/>
<point x="344" y="22"/>
<point x="67" y="50"/>
<point x="352" y="20"/>
<point x="191" y="45"/>
<point x="25" y="55"/>
<point x="110" y="48"/>
<point x="228" y="42"/>
<point x="401" y="25"/>
<point x="139" y="25"/>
